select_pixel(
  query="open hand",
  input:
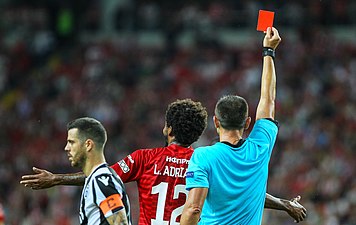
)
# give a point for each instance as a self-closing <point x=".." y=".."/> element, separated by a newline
<point x="296" y="210"/>
<point x="40" y="180"/>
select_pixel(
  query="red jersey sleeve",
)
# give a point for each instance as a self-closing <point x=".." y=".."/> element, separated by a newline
<point x="131" y="167"/>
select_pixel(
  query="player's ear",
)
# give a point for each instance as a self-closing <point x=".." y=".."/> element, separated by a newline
<point x="89" y="144"/>
<point x="169" y="131"/>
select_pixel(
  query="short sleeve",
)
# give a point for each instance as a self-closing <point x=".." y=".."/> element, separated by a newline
<point x="108" y="193"/>
<point x="131" y="167"/>
<point x="264" y="133"/>
<point x="197" y="172"/>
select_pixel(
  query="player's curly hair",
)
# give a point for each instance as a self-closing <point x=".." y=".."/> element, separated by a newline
<point x="188" y="120"/>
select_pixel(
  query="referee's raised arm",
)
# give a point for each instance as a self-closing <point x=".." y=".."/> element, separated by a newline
<point x="266" y="105"/>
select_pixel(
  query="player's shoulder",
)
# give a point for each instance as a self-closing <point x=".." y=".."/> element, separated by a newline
<point x="100" y="171"/>
<point x="146" y="155"/>
<point x="104" y="174"/>
<point x="147" y="152"/>
<point x="178" y="151"/>
<point x="173" y="148"/>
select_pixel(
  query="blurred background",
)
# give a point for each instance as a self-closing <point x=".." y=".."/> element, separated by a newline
<point x="123" y="61"/>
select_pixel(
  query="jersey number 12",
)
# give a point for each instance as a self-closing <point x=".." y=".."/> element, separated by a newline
<point x="161" y="189"/>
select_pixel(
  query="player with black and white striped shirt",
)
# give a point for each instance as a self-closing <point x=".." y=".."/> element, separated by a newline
<point x="104" y="200"/>
<point x="105" y="189"/>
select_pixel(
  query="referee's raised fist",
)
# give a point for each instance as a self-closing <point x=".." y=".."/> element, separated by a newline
<point x="272" y="38"/>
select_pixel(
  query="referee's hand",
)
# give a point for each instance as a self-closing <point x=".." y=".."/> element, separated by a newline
<point x="272" y="38"/>
<point x="40" y="180"/>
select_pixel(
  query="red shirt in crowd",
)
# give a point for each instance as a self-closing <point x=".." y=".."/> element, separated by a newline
<point x="2" y="214"/>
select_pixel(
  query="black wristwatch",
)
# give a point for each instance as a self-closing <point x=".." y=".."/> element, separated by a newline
<point x="268" y="51"/>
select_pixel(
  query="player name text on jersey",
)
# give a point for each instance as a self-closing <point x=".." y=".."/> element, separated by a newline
<point x="171" y="171"/>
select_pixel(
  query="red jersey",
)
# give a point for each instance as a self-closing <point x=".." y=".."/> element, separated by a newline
<point x="160" y="176"/>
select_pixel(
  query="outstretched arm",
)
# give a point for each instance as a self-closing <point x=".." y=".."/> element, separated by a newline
<point x="292" y="207"/>
<point x="43" y="179"/>
<point x="266" y="105"/>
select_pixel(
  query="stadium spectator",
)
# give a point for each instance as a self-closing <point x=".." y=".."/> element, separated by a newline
<point x="2" y="215"/>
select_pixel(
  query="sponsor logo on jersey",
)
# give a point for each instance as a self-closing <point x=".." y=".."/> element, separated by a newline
<point x="176" y="160"/>
<point x="190" y="174"/>
<point x="104" y="180"/>
<point x="125" y="168"/>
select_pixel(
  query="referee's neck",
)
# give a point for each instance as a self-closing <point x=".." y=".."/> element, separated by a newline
<point x="230" y="136"/>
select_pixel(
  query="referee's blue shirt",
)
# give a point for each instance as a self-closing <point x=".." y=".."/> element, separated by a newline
<point x="235" y="176"/>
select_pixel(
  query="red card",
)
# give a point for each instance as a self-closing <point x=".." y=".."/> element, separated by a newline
<point x="265" y="19"/>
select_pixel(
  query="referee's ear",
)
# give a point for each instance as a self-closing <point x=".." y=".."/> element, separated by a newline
<point x="247" y="123"/>
<point x="216" y="122"/>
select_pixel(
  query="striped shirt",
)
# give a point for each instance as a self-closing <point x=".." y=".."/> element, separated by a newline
<point x="103" y="195"/>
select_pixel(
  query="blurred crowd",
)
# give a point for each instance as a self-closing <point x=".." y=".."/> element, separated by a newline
<point x="49" y="76"/>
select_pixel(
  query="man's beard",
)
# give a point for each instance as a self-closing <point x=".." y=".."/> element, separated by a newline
<point x="79" y="161"/>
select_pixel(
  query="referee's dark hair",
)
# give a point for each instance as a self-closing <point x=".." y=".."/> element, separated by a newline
<point x="89" y="128"/>
<point x="188" y="120"/>
<point x="231" y="111"/>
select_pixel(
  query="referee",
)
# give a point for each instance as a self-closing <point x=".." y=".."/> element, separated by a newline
<point x="227" y="181"/>
<point x="104" y="199"/>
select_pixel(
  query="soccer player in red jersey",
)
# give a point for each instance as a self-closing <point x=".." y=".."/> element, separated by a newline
<point x="160" y="172"/>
